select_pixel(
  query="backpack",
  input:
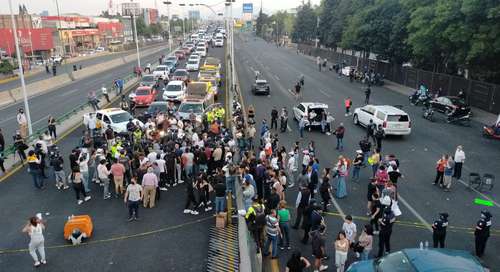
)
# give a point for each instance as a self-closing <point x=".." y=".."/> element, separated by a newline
<point x="260" y="216"/>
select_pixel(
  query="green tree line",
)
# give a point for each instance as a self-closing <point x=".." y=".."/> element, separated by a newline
<point x="277" y="25"/>
<point x="450" y="36"/>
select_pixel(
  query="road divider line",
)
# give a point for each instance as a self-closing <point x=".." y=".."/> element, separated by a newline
<point x="8" y="119"/>
<point x="415" y="213"/>
<point x="479" y="193"/>
<point x="337" y="206"/>
<point x="325" y="93"/>
<point x="276" y="77"/>
<point x="41" y="119"/>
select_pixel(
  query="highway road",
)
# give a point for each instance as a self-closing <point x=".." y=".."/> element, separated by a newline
<point x="164" y="240"/>
<point x="419" y="200"/>
<point x="64" y="99"/>
<point x="63" y="69"/>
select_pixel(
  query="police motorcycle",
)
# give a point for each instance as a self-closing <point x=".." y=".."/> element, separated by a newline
<point x="420" y="96"/>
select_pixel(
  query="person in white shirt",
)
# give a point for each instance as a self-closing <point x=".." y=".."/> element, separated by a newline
<point x="292" y="169"/>
<point x="23" y="123"/>
<point x="162" y="165"/>
<point x="90" y="122"/>
<point x="103" y="174"/>
<point x="350" y="229"/>
<point x="47" y="139"/>
<point x="133" y="196"/>
<point x="152" y="156"/>
<point x="459" y="162"/>
<point x="34" y="228"/>
<point x="83" y="163"/>
<point x="104" y="92"/>
<point x="305" y="159"/>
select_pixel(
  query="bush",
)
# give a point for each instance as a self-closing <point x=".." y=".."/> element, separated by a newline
<point x="6" y="67"/>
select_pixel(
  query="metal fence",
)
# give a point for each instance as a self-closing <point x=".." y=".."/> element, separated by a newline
<point x="483" y="95"/>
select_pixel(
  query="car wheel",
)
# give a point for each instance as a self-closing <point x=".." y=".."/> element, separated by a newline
<point x="355" y="119"/>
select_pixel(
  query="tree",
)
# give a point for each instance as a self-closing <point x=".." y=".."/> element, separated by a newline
<point x="326" y="20"/>
<point x="304" y="29"/>
<point x="262" y="20"/>
<point x="6" y="67"/>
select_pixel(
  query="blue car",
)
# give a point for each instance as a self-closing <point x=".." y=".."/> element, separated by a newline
<point x="420" y="260"/>
<point x="171" y="65"/>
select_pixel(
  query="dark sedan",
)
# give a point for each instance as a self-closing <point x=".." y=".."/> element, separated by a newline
<point x="450" y="104"/>
<point x="153" y="109"/>
<point x="261" y="87"/>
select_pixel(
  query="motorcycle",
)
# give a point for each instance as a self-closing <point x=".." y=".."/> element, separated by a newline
<point x="428" y="113"/>
<point x="489" y="132"/>
<point x="463" y="119"/>
<point x="417" y="99"/>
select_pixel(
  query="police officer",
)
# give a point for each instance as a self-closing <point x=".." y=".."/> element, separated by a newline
<point x="384" y="241"/>
<point x="482" y="232"/>
<point x="439" y="230"/>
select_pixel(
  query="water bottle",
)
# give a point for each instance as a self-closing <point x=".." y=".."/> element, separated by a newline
<point x="426" y="244"/>
<point x="421" y="245"/>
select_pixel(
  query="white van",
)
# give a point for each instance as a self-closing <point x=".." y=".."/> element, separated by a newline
<point x="202" y="51"/>
<point x="393" y="120"/>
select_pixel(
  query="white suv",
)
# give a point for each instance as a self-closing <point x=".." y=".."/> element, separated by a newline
<point x="114" y="117"/>
<point x="393" y="120"/>
<point x="202" y="51"/>
<point x="193" y="64"/>
<point x="161" y="72"/>
<point x="174" y="91"/>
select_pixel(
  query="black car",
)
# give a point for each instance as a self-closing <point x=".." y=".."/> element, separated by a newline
<point x="450" y="105"/>
<point x="149" y="80"/>
<point x="153" y="109"/>
<point x="261" y="87"/>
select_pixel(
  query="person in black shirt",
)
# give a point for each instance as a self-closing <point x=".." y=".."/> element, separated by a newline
<point x="384" y="241"/>
<point x="305" y="196"/>
<point x="375" y="213"/>
<point x="394" y="174"/>
<point x="482" y="232"/>
<point x="439" y="230"/>
<point x="372" y="189"/>
<point x="356" y="165"/>
<point x="274" y="118"/>
<point x="365" y="146"/>
<point x="306" y="223"/>
<point x="272" y="200"/>
<point x="220" y="196"/>
<point x="297" y="263"/>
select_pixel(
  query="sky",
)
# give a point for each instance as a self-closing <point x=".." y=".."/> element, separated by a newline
<point x="94" y="7"/>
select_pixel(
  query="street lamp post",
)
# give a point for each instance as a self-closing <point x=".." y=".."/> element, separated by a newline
<point x="31" y="45"/>
<point x="168" y="3"/>
<point x="183" y="26"/>
<point x="21" y="72"/>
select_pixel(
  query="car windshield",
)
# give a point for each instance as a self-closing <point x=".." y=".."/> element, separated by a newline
<point x="192" y="62"/>
<point x="120" y="117"/>
<point x="200" y="49"/>
<point x="148" y="78"/>
<point x="157" y="108"/>
<point x="161" y="69"/>
<point x="142" y="92"/>
<point x="179" y="52"/>
<point x="169" y="63"/>
<point x="261" y="84"/>
<point x="172" y="58"/>
<point x="395" y="262"/>
<point x="196" y="108"/>
<point x="397" y="118"/>
<point x="180" y="73"/>
<point x="173" y="88"/>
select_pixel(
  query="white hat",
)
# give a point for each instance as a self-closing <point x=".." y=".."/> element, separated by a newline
<point x="291" y="153"/>
<point x="305" y="151"/>
<point x="359" y="151"/>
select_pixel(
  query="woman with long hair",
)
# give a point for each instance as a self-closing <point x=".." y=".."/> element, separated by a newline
<point x="341" y="176"/>
<point x="34" y="228"/>
<point x="297" y="263"/>
<point x="341" y="248"/>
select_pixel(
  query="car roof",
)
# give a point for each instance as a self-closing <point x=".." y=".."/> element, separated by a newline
<point x="161" y="103"/>
<point x="161" y="66"/>
<point x="442" y="260"/>
<point x="388" y="109"/>
<point x="111" y="111"/>
<point x="315" y="105"/>
<point x="175" y="82"/>
<point x="144" y="88"/>
<point x="261" y="81"/>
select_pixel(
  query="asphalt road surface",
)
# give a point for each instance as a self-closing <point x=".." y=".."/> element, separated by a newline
<point x="64" y="99"/>
<point x="164" y="240"/>
<point x="420" y="201"/>
<point x="63" y="69"/>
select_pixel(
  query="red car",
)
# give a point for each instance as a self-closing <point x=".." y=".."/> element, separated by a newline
<point x="186" y="50"/>
<point x="180" y="54"/>
<point x="144" y="96"/>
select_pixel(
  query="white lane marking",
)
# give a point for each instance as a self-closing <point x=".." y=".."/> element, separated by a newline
<point x="325" y="93"/>
<point x="277" y="78"/>
<point x="288" y="128"/>
<point x="8" y="119"/>
<point x="42" y="119"/>
<point x="479" y="193"/>
<point x="415" y="213"/>
<point x="70" y="92"/>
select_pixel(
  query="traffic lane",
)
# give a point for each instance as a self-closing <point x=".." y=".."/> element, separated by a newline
<point x="65" y="68"/>
<point x="274" y="61"/>
<point x="353" y="203"/>
<point x="109" y="216"/>
<point x="62" y="100"/>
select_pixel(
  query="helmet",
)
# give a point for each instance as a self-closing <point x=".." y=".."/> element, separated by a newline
<point x="443" y="216"/>
<point x="486" y="214"/>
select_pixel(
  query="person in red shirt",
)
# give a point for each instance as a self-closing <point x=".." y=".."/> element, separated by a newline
<point x="118" y="171"/>
<point x="347" y="104"/>
<point x="440" y="165"/>
<point x="381" y="177"/>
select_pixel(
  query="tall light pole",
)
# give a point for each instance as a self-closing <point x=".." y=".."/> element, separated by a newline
<point x="168" y="3"/>
<point x="183" y="26"/>
<point x="59" y="29"/>
<point x="21" y="72"/>
<point x="132" y="16"/>
<point x="31" y="45"/>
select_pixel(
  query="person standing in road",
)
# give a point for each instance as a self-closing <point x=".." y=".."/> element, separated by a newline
<point x="448" y="172"/>
<point x="256" y="220"/>
<point x="103" y="175"/>
<point x="459" y="162"/>
<point x="318" y="248"/>
<point x="35" y="169"/>
<point x="273" y="232"/>
<point x="347" y="104"/>
<point x="76" y="179"/>
<point x="440" y="166"/>
<point x="341" y="168"/>
<point x="356" y="165"/>
<point x="54" y="69"/>
<point x="274" y="118"/>
<point x="292" y="169"/>
<point x="23" y="123"/>
<point x="482" y="232"/>
<point x="284" y="223"/>
<point x="303" y="199"/>
<point x="439" y="230"/>
<point x="379" y="134"/>
<point x="47" y="69"/>
<point x="34" y="228"/>
<point x="104" y="92"/>
<point x="365" y="147"/>
<point x="149" y="184"/>
<point x="52" y="126"/>
<point x="370" y="130"/>
<point x="366" y="242"/>
<point x="220" y="196"/>
<point x="297" y="263"/>
<point x="368" y="92"/>
<point x="118" y="171"/>
<point x="349" y="228"/>
<point x="339" y="134"/>
<point x="376" y="211"/>
<point x="384" y="241"/>
<point x="133" y="195"/>
<point x="283" y="120"/>
<point x="92" y="97"/>
<point x="302" y="125"/>
<point x="318" y="62"/>
<point x="341" y="249"/>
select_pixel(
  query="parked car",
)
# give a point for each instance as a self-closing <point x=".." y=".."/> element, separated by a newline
<point x="174" y="91"/>
<point x="447" y="104"/>
<point x="180" y="74"/>
<point x="144" y="96"/>
<point x="393" y="120"/>
<point x="312" y="111"/>
<point x="100" y="49"/>
<point x="420" y="260"/>
<point x="116" y="118"/>
<point x="261" y="87"/>
<point x="161" y="72"/>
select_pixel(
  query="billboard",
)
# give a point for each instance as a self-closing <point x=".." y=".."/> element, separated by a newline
<point x="247" y="7"/>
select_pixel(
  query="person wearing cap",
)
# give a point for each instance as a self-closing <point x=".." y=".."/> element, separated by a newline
<point x="356" y="164"/>
<point x="439" y="230"/>
<point x="482" y="232"/>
